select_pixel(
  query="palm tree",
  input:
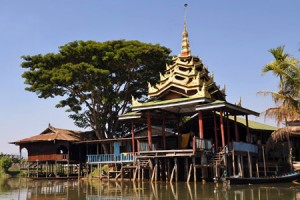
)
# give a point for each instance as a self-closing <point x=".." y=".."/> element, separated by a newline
<point x="287" y="99"/>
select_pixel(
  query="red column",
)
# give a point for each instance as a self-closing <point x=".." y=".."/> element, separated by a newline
<point x="236" y="130"/>
<point x="248" y="131"/>
<point x="227" y="128"/>
<point x="222" y="128"/>
<point x="200" y="120"/>
<point x="149" y="131"/>
<point x="216" y="132"/>
<point x="132" y="138"/>
<point x="163" y="130"/>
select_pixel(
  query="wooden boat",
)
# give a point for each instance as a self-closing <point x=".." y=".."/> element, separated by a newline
<point x="271" y="179"/>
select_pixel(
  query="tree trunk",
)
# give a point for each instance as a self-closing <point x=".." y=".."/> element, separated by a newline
<point x="100" y="136"/>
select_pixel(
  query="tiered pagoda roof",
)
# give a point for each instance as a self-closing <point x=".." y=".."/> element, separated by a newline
<point x="186" y="86"/>
<point x="186" y="77"/>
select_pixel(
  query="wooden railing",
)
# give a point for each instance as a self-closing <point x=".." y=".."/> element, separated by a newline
<point x="48" y="157"/>
<point x="110" y="158"/>
<point x="144" y="146"/>
<point x="201" y="144"/>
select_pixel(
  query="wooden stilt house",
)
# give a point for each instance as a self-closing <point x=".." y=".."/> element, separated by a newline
<point x="53" y="152"/>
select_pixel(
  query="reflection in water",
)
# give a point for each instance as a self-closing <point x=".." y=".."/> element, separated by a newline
<point x="91" y="190"/>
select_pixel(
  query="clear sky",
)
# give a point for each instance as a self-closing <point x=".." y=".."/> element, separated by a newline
<point x="232" y="37"/>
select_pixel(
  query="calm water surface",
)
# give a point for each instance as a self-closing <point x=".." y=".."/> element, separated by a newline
<point x="13" y="188"/>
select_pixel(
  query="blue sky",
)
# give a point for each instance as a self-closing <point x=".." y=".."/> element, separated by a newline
<point x="231" y="36"/>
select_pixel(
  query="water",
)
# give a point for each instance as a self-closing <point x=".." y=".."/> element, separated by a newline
<point x="91" y="190"/>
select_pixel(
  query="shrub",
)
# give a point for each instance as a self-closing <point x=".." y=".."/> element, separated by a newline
<point x="5" y="163"/>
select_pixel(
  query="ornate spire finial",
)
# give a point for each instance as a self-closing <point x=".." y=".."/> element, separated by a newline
<point x="185" y="50"/>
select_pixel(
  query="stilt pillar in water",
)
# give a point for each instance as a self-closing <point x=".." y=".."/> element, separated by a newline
<point x="249" y="165"/>
<point x="68" y="168"/>
<point x="233" y="163"/>
<point x="37" y="169"/>
<point x="203" y="169"/>
<point x="195" y="169"/>
<point x="46" y="169"/>
<point x="189" y="173"/>
<point x="240" y="166"/>
<point x="139" y="171"/>
<point x="257" y="170"/>
<point x="176" y="170"/>
<point x="186" y="168"/>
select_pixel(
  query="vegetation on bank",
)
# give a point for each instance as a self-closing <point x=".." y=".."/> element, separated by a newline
<point x="6" y="165"/>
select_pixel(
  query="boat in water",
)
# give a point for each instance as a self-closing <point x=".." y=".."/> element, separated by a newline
<point x="294" y="176"/>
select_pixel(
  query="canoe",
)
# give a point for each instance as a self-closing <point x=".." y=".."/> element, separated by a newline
<point x="271" y="179"/>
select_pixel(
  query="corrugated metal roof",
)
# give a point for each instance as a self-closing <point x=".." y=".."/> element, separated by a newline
<point x="51" y="134"/>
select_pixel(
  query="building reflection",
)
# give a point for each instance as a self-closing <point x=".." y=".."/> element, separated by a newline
<point x="95" y="189"/>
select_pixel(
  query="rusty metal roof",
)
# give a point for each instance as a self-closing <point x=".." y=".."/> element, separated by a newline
<point x="52" y="134"/>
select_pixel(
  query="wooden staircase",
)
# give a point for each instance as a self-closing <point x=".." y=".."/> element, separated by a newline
<point x="218" y="158"/>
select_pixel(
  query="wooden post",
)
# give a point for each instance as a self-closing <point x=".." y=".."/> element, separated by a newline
<point x="149" y="131"/>
<point x="132" y="138"/>
<point x="194" y="145"/>
<point x="217" y="172"/>
<point x="240" y="166"/>
<point x="264" y="160"/>
<point x="233" y="162"/>
<point x="249" y="165"/>
<point x="46" y="169"/>
<point x="195" y="169"/>
<point x="37" y="168"/>
<point x="100" y="171"/>
<point x="176" y="170"/>
<point x="216" y="132"/>
<point x="153" y="177"/>
<point x="186" y="168"/>
<point x="139" y="170"/>
<point x="222" y="128"/>
<point x="257" y="170"/>
<point x="236" y="130"/>
<point x="155" y="169"/>
<point x="78" y="171"/>
<point x="172" y="174"/>
<point x="200" y="121"/>
<point x="68" y="168"/>
<point x="166" y="168"/>
<point x="248" y="130"/>
<point x="163" y="129"/>
<point x="189" y="173"/>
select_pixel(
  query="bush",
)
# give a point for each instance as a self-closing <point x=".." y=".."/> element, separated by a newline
<point x="5" y="163"/>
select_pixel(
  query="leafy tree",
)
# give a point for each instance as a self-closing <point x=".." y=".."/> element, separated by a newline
<point x="287" y="99"/>
<point x="96" y="79"/>
<point x="5" y="163"/>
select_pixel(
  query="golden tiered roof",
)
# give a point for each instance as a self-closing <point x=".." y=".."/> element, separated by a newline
<point x="186" y="77"/>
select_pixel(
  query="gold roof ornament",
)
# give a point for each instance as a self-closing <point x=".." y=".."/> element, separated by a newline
<point x="204" y="91"/>
<point x="224" y="90"/>
<point x="185" y="45"/>
<point x="239" y="103"/>
<point x="134" y="102"/>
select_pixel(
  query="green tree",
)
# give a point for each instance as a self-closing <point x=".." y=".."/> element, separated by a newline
<point x="286" y="68"/>
<point x="5" y="163"/>
<point x="96" y="79"/>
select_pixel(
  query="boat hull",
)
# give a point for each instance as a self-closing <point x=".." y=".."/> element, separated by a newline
<point x="273" y="179"/>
